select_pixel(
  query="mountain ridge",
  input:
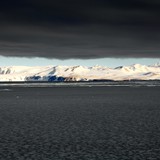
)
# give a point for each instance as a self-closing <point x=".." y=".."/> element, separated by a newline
<point x="79" y="73"/>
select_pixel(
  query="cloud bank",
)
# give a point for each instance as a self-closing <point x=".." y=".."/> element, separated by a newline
<point x="80" y="29"/>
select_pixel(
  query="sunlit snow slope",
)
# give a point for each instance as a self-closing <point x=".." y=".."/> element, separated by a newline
<point x="79" y="73"/>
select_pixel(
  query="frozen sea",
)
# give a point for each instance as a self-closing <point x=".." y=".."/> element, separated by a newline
<point x="72" y="122"/>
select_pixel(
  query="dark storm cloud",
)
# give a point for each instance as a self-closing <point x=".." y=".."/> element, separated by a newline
<point x="80" y="28"/>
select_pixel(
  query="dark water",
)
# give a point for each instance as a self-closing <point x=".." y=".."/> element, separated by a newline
<point x="80" y="123"/>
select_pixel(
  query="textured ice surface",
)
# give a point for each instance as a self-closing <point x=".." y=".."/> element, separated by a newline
<point x="75" y="123"/>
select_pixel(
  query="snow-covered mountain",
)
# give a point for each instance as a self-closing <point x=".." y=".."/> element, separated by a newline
<point x="79" y="73"/>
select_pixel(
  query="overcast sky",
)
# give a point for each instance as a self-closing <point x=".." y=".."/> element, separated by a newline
<point x="80" y="29"/>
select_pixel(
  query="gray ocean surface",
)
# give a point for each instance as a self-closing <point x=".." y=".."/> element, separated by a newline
<point x="79" y="123"/>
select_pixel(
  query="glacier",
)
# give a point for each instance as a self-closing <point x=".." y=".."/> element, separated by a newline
<point x="78" y="73"/>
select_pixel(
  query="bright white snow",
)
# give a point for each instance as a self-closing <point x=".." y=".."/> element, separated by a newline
<point x="79" y="73"/>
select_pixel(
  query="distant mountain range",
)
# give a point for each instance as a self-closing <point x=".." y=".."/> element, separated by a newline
<point x="79" y="73"/>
